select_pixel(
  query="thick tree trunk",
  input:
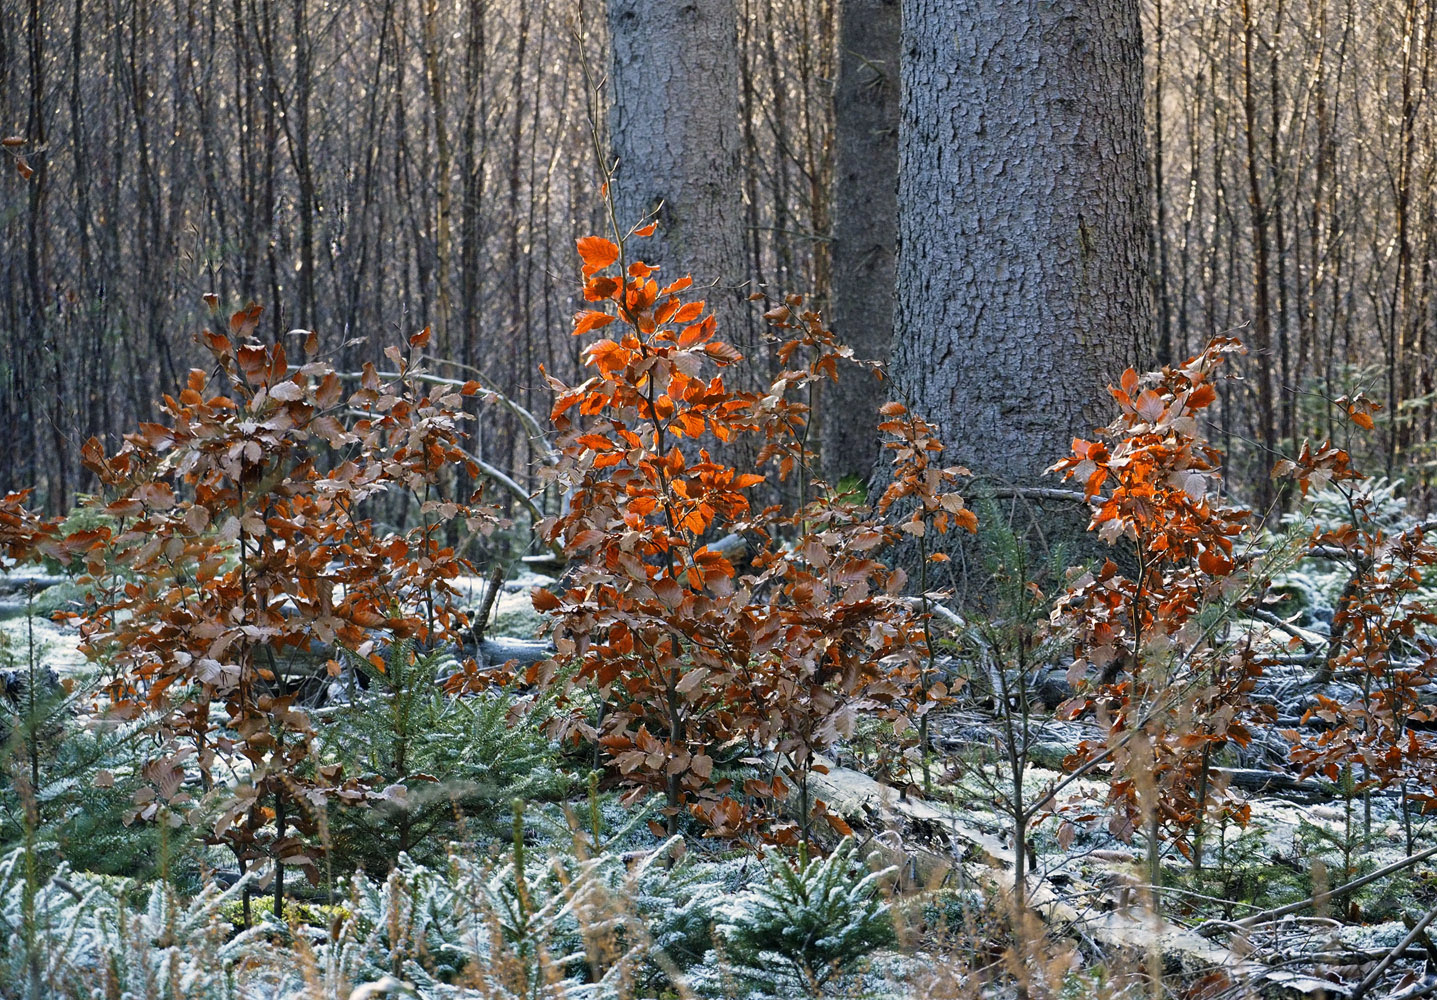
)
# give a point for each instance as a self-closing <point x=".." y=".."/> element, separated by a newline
<point x="1023" y="222"/>
<point x="675" y="128"/>
<point x="865" y="202"/>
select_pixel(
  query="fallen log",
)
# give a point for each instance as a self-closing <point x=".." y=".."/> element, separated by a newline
<point x="1252" y="779"/>
<point x="494" y="652"/>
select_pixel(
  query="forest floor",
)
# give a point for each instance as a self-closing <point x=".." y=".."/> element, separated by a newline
<point x="953" y="854"/>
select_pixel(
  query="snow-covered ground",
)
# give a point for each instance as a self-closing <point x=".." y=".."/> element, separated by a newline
<point x="28" y="597"/>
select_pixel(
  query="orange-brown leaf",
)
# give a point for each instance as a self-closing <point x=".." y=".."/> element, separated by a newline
<point x="590" y="320"/>
<point x="597" y="253"/>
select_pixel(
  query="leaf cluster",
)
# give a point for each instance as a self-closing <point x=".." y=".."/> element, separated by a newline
<point x="680" y="656"/>
<point x="235" y="546"/>
<point x="1169" y="690"/>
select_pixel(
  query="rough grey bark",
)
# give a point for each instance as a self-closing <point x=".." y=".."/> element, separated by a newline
<point x="1023" y="218"/>
<point x="865" y="229"/>
<point x="675" y="128"/>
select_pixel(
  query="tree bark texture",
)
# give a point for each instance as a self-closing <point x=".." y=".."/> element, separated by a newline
<point x="865" y="229"/>
<point x="675" y="129"/>
<point x="1023" y="223"/>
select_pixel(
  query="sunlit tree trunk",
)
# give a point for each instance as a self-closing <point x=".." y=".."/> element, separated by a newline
<point x="1023" y="223"/>
<point x="675" y="128"/>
